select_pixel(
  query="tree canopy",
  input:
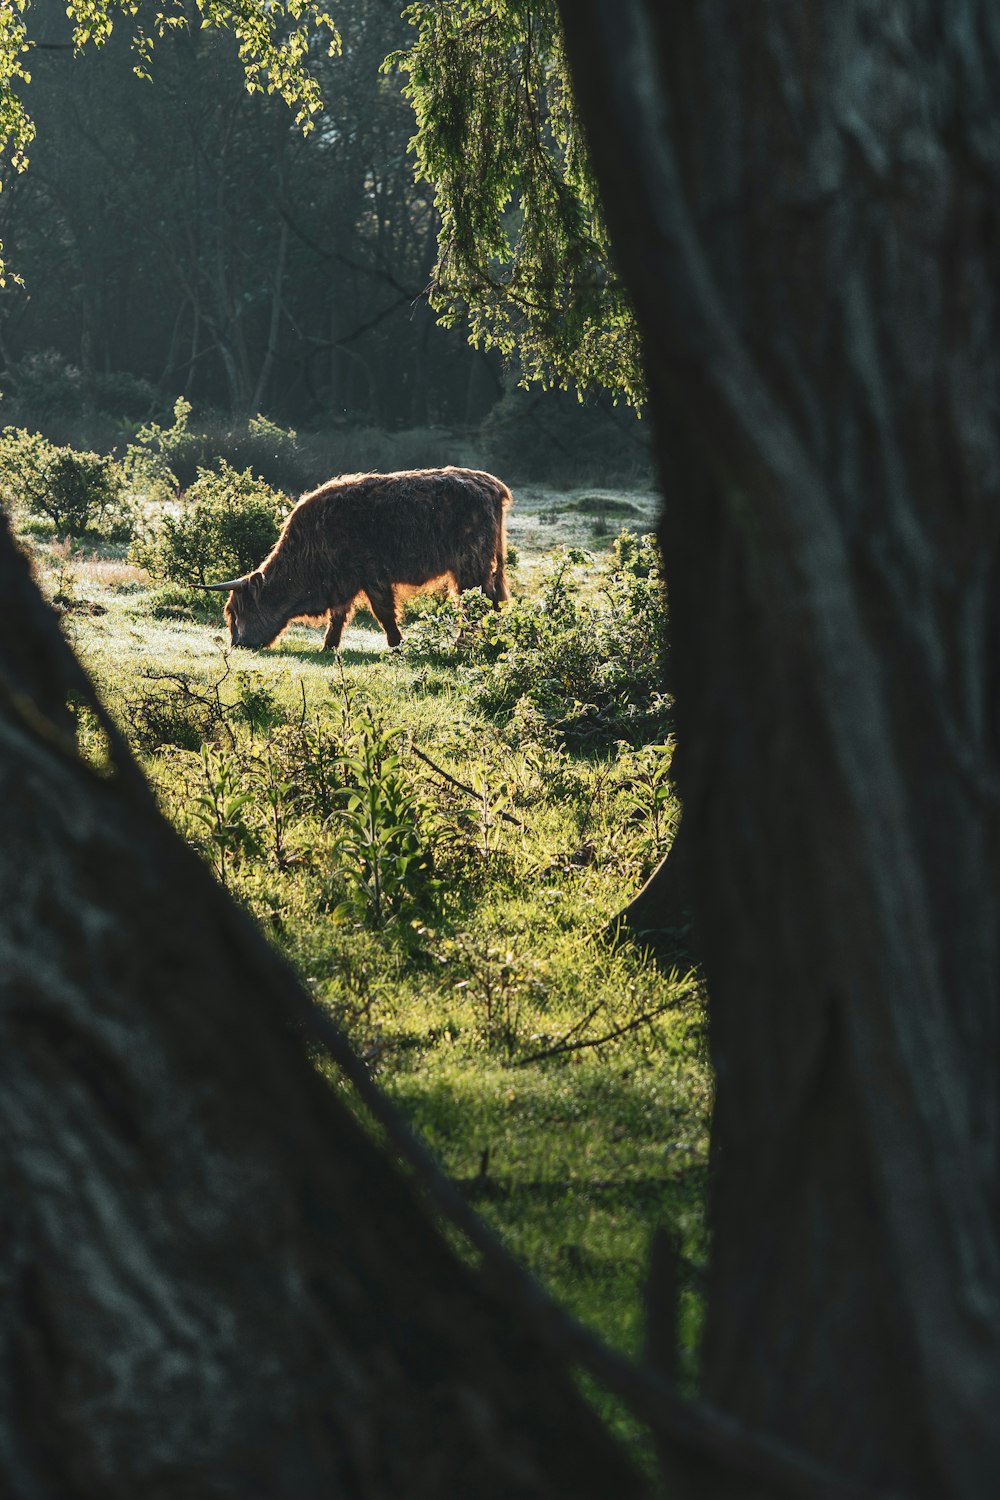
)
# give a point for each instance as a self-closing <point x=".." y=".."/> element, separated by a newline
<point x="274" y="44"/>
<point x="523" y="256"/>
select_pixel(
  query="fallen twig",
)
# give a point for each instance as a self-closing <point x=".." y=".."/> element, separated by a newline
<point x="578" y="1043"/>
<point x="462" y="787"/>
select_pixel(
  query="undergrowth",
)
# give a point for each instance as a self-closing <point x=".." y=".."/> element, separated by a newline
<point x="437" y="839"/>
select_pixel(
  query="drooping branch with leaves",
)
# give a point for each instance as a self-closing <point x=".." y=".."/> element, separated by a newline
<point x="523" y="250"/>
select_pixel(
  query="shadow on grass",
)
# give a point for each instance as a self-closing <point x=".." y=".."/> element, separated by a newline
<point x="315" y="655"/>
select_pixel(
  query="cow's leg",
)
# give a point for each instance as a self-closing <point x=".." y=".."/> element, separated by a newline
<point x="494" y="585"/>
<point x="337" y="619"/>
<point x="383" y="606"/>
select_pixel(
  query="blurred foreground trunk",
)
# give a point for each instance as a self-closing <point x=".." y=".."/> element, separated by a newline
<point x="215" y="1283"/>
<point x="804" y="201"/>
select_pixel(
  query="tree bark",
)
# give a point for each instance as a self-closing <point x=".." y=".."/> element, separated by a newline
<point x="215" y="1282"/>
<point x="804" y="204"/>
<point x="660" y="916"/>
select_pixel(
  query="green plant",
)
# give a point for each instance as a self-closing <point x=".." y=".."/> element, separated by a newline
<point x="493" y="800"/>
<point x="225" y="524"/>
<point x="173" y="601"/>
<point x="603" y="506"/>
<point x="78" y="493"/>
<point x="280" y="795"/>
<point x="175" y="455"/>
<point x="217" y="811"/>
<point x="562" y="441"/>
<point x="45" y="385"/>
<point x="75" y="490"/>
<point x="650" y="802"/>
<point x="496" y="985"/>
<point x="256" y="705"/>
<point x="383" y="857"/>
<point x="483" y="1001"/>
<point x="158" y="451"/>
<point x="590" y="666"/>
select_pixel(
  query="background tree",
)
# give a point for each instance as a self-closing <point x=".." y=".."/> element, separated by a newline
<point x="179" y="236"/>
<point x="233" y="259"/>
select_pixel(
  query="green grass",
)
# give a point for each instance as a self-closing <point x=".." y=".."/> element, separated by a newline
<point x="491" y="958"/>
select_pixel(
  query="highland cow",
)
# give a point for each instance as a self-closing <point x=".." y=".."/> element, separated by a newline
<point x="374" y="536"/>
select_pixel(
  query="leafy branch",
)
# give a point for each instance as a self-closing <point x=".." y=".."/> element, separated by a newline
<point x="523" y="253"/>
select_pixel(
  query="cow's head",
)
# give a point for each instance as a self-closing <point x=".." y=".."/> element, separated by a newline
<point x="250" y="614"/>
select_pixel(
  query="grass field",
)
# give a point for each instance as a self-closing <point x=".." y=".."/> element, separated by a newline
<point x="439" y="861"/>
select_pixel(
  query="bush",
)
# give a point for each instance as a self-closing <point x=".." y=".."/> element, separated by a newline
<point x="174" y="601"/>
<point x="359" y="449"/>
<point x="175" y="455"/>
<point x="46" y="385"/>
<point x="553" y="438"/>
<point x="590" y="669"/>
<point x="127" y="397"/>
<point x="80" y="494"/>
<point x="383" y="857"/>
<point x="225" y="525"/>
<point x="46" y="392"/>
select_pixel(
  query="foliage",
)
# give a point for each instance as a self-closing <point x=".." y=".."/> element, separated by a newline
<point x="649" y="803"/>
<point x="159" y="453"/>
<point x="224" y="525"/>
<point x="590" y="669"/>
<point x="79" y="493"/>
<point x="564" y="1083"/>
<point x="273" y="44"/>
<point x="173" y="456"/>
<point x="44" y="386"/>
<point x="384" y="859"/>
<point x="554" y="438"/>
<point x="218" y="811"/>
<point x="523" y="252"/>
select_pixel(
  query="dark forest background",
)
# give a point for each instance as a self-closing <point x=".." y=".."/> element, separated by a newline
<point x="181" y="237"/>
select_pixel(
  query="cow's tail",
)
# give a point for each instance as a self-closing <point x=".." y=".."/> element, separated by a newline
<point x="500" y="591"/>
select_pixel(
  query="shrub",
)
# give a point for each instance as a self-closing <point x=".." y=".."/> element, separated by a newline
<point x="175" y="455"/>
<point x="553" y="438"/>
<point x="590" y="668"/>
<point x="127" y="397"/>
<point x="225" y="524"/>
<point x="384" y="858"/>
<point x="358" y="449"/>
<point x="256" y="705"/>
<point x="167" y="455"/>
<point x="174" y="601"/>
<point x="46" y="389"/>
<point x="80" y="494"/>
<point x="170" y="714"/>
<point x="46" y="385"/>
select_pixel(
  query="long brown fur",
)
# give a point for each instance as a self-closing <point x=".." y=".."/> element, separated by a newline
<point x="380" y="536"/>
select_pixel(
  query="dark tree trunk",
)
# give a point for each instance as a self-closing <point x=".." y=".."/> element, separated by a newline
<point x="215" y="1283"/>
<point x="804" y="201"/>
<point x="660" y="916"/>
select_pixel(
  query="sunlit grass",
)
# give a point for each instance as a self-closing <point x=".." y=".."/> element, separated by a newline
<point x="575" y="1156"/>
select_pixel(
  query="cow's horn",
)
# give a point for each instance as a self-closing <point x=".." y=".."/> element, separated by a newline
<point x="231" y="583"/>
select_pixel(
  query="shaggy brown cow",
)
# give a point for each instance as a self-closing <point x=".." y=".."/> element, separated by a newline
<point x="375" y="535"/>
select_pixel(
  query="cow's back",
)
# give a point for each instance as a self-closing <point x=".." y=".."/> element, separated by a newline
<point x="407" y="527"/>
